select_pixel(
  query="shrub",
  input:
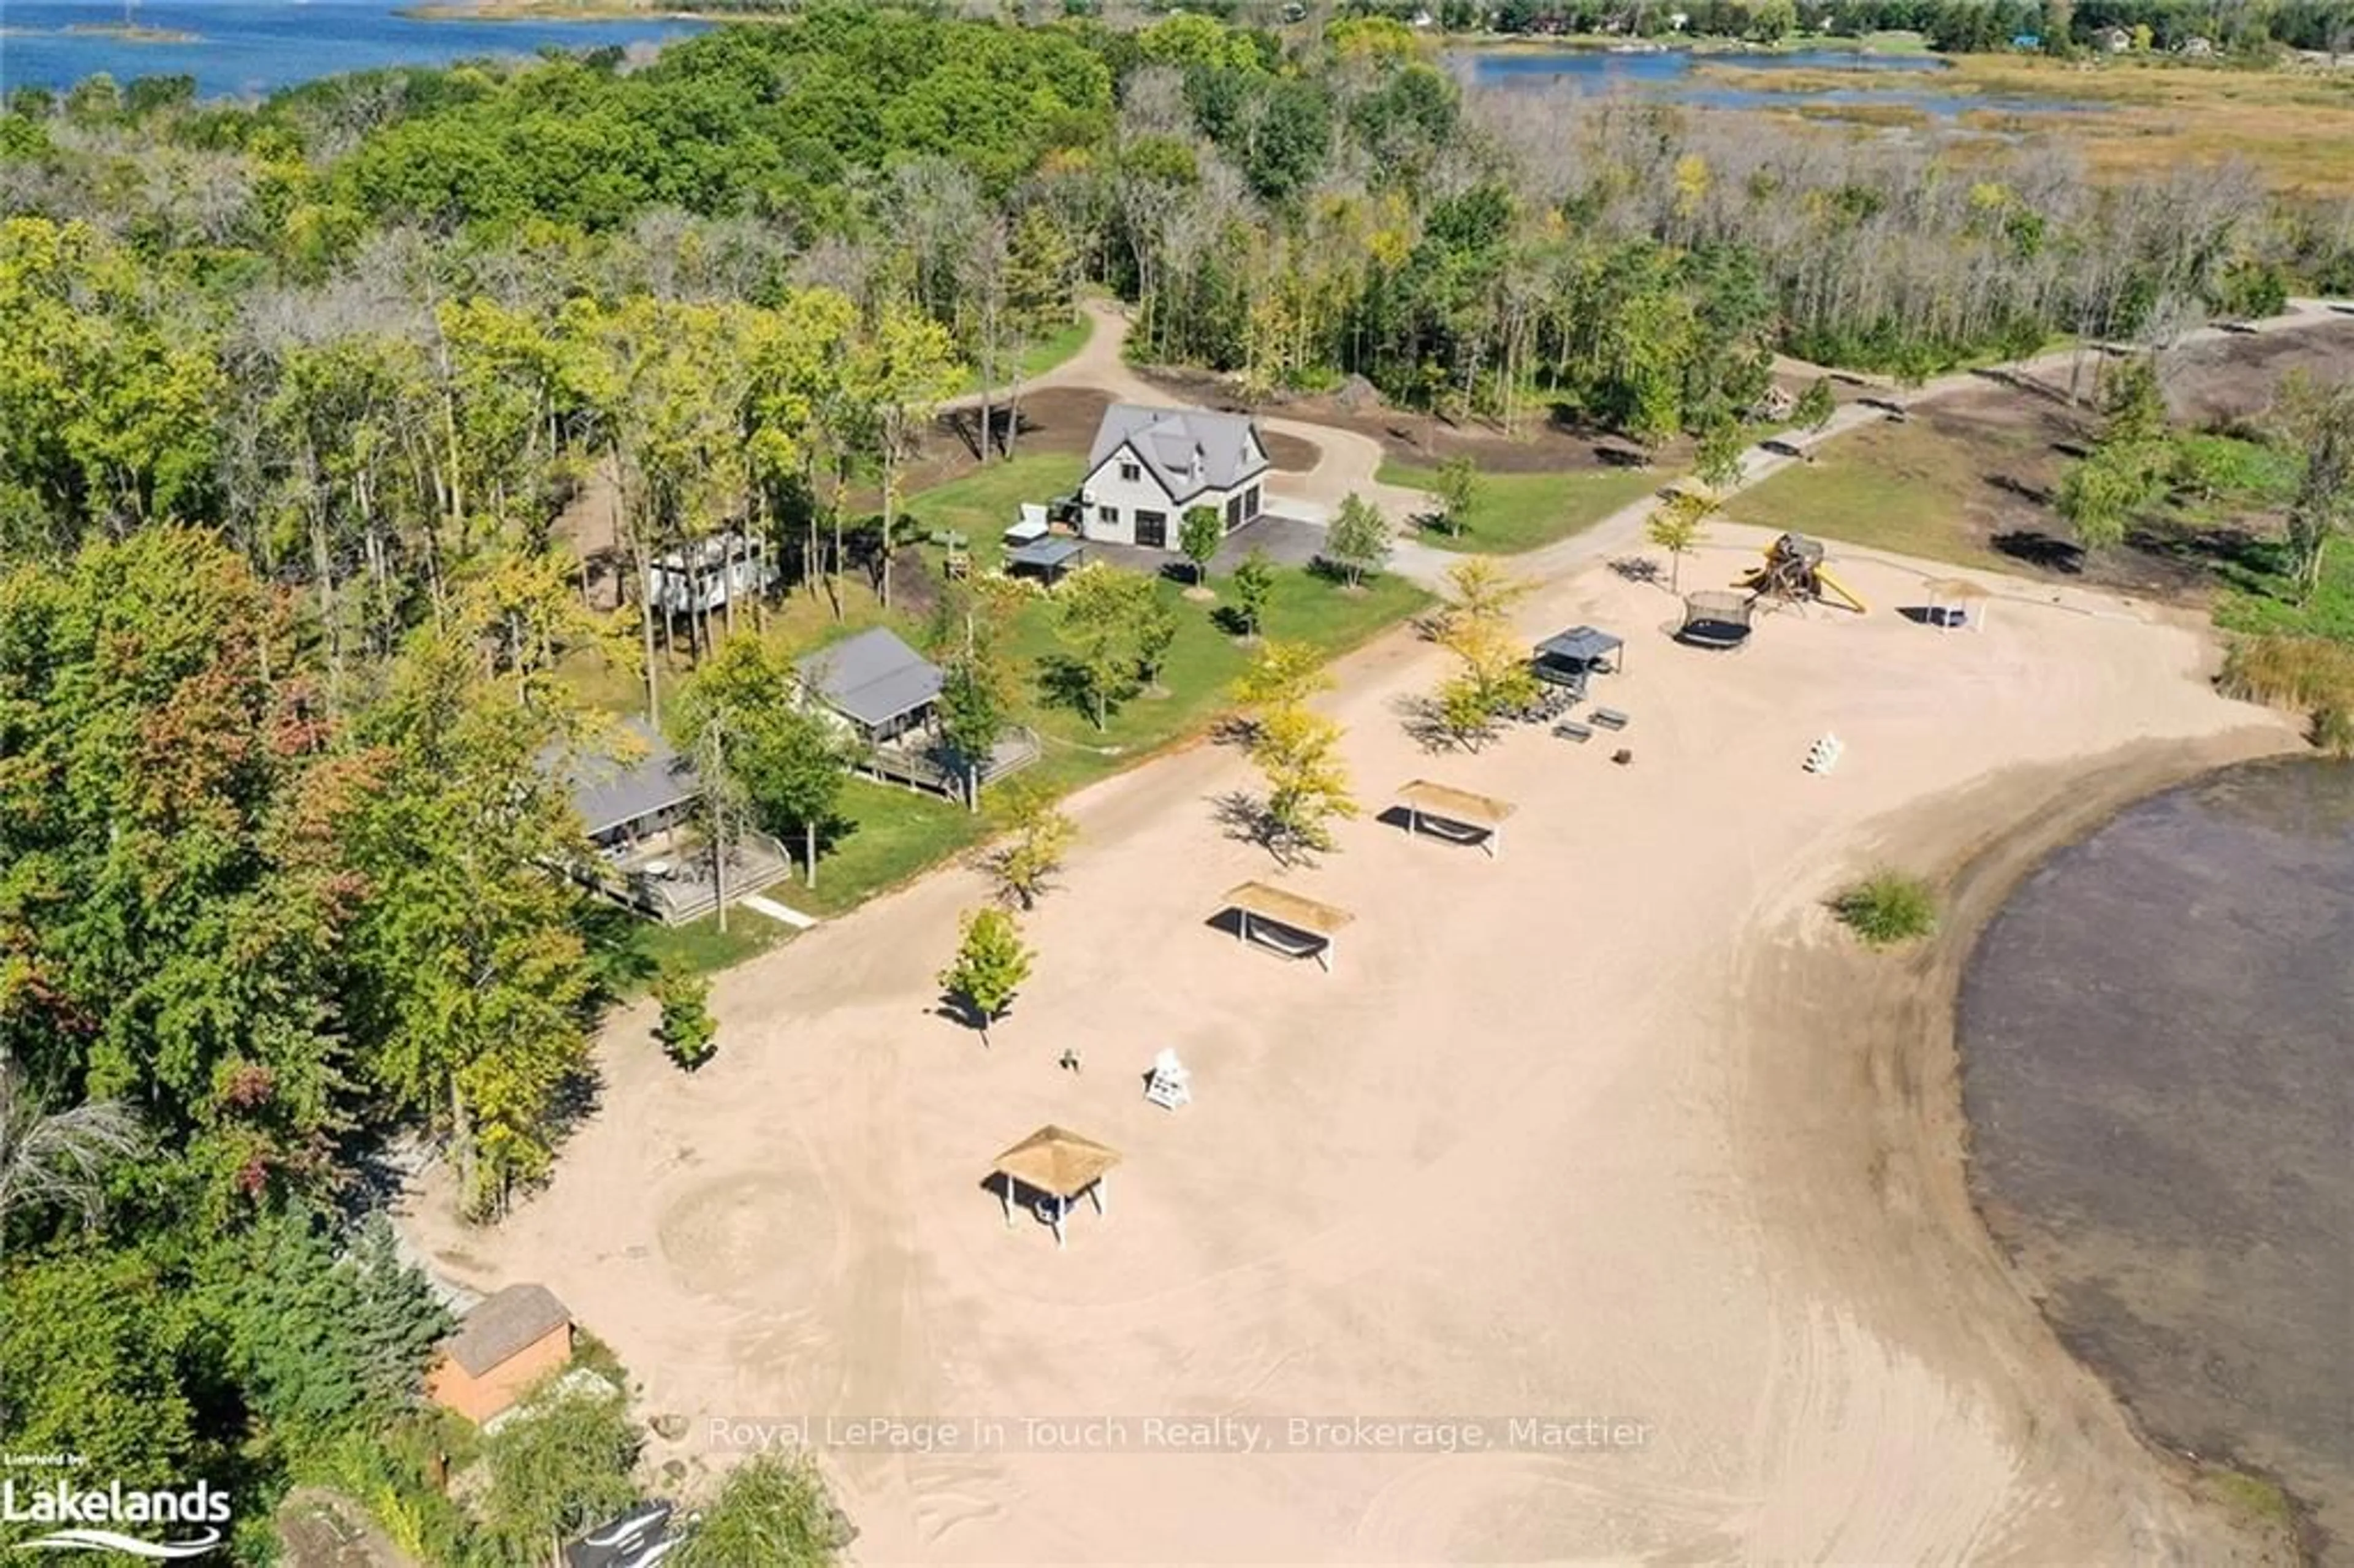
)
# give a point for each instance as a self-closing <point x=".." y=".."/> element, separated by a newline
<point x="1888" y="908"/>
<point x="687" y="1030"/>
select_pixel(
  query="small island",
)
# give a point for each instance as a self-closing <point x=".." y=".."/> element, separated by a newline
<point x="132" y="33"/>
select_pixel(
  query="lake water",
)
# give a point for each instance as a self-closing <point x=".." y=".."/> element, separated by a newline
<point x="1670" y="74"/>
<point x="2157" y="1048"/>
<point x="254" y="45"/>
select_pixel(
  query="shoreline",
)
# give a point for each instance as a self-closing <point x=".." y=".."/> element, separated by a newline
<point x="1984" y="840"/>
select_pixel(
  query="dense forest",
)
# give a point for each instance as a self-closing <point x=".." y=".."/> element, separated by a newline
<point x="294" y="394"/>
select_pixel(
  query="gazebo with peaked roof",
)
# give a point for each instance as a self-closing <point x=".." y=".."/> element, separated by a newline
<point x="1456" y="815"/>
<point x="1961" y="597"/>
<point x="1303" y="928"/>
<point x="1580" y="652"/>
<point x="1060" y="1166"/>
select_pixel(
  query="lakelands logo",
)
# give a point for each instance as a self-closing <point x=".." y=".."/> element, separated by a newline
<point x="187" y="1520"/>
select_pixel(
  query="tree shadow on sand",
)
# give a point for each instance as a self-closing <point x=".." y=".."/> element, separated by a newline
<point x="1244" y="818"/>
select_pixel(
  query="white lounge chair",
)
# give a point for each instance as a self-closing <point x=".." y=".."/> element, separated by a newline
<point x="1170" y="1085"/>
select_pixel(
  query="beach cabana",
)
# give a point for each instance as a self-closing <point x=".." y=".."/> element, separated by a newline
<point x="1049" y="557"/>
<point x="1060" y="1166"/>
<point x="1568" y="657"/>
<point x="1958" y="601"/>
<point x="1456" y="815"/>
<point x="1295" y="926"/>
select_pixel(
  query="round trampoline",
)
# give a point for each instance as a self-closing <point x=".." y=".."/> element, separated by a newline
<point x="1715" y="620"/>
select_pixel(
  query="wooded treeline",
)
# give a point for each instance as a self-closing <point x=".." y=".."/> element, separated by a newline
<point x="1962" y="25"/>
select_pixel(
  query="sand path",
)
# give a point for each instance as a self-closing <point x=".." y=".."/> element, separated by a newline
<point x="1615" y="1129"/>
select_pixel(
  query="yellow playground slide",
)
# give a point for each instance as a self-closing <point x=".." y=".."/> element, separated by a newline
<point x="1826" y="584"/>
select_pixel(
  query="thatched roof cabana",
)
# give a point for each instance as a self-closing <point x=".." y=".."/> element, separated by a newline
<point x="1059" y="1166"/>
<point x="1301" y="928"/>
<point x="1457" y="815"/>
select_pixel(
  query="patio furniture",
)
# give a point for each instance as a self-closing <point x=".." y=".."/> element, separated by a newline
<point x="660" y="870"/>
<point x="1568" y="729"/>
<point x="1170" y="1084"/>
<point x="1609" y="718"/>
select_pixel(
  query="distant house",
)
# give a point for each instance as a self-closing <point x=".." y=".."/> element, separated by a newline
<point x="877" y="685"/>
<point x="1151" y="466"/>
<point x="2197" y="48"/>
<point x="509" y="1341"/>
<point x="707" y="572"/>
<point x="2113" y="40"/>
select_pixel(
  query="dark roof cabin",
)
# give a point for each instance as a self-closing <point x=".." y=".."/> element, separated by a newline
<point x="876" y="682"/>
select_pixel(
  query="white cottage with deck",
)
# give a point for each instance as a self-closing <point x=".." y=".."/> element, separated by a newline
<point x="1151" y="466"/>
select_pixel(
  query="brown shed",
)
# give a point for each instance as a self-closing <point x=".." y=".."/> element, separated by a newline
<point x="509" y="1341"/>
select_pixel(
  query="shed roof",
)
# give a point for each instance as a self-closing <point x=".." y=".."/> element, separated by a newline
<point x="1167" y="442"/>
<point x="1584" y="644"/>
<point x="1285" y="908"/>
<point x="1059" y="1163"/>
<point x="503" y="1325"/>
<point x="612" y="792"/>
<point x="1047" y="555"/>
<point x="1455" y="805"/>
<point x="872" y="678"/>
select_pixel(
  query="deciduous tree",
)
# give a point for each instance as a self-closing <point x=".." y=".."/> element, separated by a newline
<point x="686" y="1028"/>
<point x="1199" y="535"/>
<point x="1034" y="834"/>
<point x="991" y="965"/>
<point x="1459" y="490"/>
<point x="1308" y="787"/>
<point x="1359" y="539"/>
<point x="1254" y="583"/>
<point x="1679" y="526"/>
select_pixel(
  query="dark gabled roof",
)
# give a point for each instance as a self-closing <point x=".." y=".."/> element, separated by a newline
<point x="609" y="792"/>
<point x="1044" y="553"/>
<point x="1166" y="441"/>
<point x="872" y="678"/>
<point x="501" y="1326"/>
<point x="1582" y="643"/>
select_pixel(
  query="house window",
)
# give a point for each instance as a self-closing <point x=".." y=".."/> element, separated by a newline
<point x="1250" y="502"/>
<point x="1130" y="473"/>
<point x="1234" y="513"/>
<point x="1107" y="514"/>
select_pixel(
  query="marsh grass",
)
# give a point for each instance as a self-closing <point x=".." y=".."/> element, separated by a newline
<point x="1888" y="908"/>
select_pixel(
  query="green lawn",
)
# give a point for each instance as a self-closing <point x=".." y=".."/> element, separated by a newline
<point x="1202" y="663"/>
<point x="1042" y="356"/>
<point x="701" y="945"/>
<point x="1517" y="512"/>
<point x="987" y="502"/>
<point x="1886" y="486"/>
<point x="895" y="834"/>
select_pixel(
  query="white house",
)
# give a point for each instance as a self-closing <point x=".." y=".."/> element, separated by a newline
<point x="708" y="572"/>
<point x="1151" y="466"/>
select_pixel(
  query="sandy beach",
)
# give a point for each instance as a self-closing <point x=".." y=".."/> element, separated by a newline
<point x="1610" y="1161"/>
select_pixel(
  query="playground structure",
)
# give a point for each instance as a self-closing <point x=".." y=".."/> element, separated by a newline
<point x="1794" y="573"/>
